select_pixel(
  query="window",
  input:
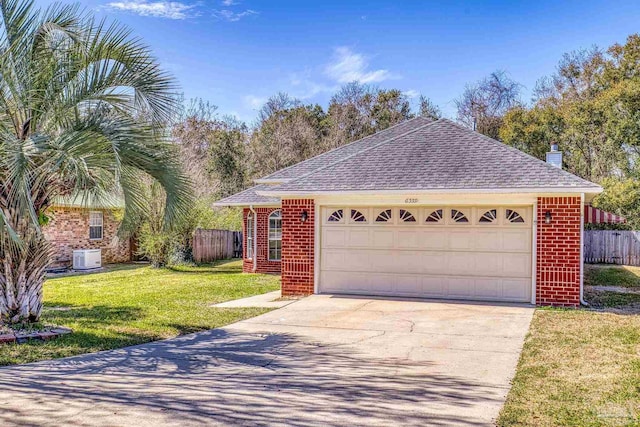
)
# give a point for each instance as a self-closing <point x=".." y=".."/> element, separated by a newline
<point x="384" y="216"/>
<point x="336" y="216"/>
<point x="489" y="216"/>
<point x="513" y="216"/>
<point x="249" y="236"/>
<point x="406" y="216"/>
<point x="435" y="216"/>
<point x="458" y="216"/>
<point x="95" y="225"/>
<point x="357" y="216"/>
<point x="275" y="236"/>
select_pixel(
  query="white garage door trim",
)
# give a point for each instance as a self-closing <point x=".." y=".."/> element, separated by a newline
<point x="488" y="286"/>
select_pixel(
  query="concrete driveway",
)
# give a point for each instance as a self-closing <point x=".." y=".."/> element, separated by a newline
<point x="320" y="361"/>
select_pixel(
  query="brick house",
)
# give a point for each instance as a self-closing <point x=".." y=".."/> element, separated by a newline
<point x="422" y="209"/>
<point x="73" y="226"/>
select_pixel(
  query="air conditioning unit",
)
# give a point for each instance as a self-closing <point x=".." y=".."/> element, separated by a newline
<point x="87" y="259"/>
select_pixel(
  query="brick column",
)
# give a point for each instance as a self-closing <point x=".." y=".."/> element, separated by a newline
<point x="558" y="252"/>
<point x="297" y="247"/>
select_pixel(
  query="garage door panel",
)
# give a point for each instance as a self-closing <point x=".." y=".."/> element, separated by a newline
<point x="408" y="239"/>
<point x="408" y="262"/>
<point x="487" y="264"/>
<point x="516" y="289"/>
<point x="434" y="262"/>
<point x="484" y="261"/>
<point x="358" y="238"/>
<point x="518" y="265"/>
<point x="382" y="239"/>
<point x="433" y="239"/>
<point x="461" y="287"/>
<point x="516" y="240"/>
<point x="460" y="240"/>
<point x="334" y="237"/>
<point x="461" y="263"/>
<point x="434" y="287"/>
<point x="488" y="240"/>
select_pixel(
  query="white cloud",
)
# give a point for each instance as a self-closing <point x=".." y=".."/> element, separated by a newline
<point x="254" y="102"/>
<point x="159" y="9"/>
<point x="349" y="66"/>
<point x="411" y="93"/>
<point x="231" y="16"/>
<point x="229" y="2"/>
<point x="304" y="87"/>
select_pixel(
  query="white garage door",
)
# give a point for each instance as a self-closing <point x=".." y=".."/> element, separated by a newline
<point x="480" y="253"/>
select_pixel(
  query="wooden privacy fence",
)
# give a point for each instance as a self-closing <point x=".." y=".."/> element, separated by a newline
<point x="212" y="245"/>
<point x="612" y="247"/>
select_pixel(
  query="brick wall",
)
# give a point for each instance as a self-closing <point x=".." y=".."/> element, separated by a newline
<point x="68" y="229"/>
<point x="263" y="265"/>
<point x="558" y="252"/>
<point x="297" y="247"/>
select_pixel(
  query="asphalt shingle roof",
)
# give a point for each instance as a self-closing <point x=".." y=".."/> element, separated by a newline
<point x="249" y="197"/>
<point x="439" y="155"/>
<point x="419" y="154"/>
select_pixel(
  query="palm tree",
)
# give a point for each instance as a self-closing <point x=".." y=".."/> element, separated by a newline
<point x="83" y="110"/>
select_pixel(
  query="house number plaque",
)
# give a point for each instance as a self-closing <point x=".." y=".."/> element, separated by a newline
<point x="411" y="200"/>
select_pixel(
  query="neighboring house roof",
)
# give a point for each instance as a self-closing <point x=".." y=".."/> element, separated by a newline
<point x="88" y="201"/>
<point x="420" y="155"/>
<point x="249" y="197"/>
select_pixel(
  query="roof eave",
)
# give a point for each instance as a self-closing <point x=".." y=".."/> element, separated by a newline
<point x="241" y="204"/>
<point x="576" y="190"/>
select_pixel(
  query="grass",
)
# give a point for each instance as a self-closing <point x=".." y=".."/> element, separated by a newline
<point x="612" y="275"/>
<point x="134" y="304"/>
<point x="581" y="367"/>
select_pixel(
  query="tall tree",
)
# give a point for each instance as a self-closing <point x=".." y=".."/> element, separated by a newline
<point x="429" y="109"/>
<point x="84" y="107"/>
<point x="287" y="132"/>
<point x="483" y="105"/>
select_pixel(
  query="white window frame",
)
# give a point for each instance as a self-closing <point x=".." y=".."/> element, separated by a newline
<point x="249" y="230"/>
<point x="96" y="221"/>
<point x="275" y="235"/>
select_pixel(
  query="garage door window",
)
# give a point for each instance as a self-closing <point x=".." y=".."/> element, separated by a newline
<point x="384" y="216"/>
<point x="489" y="217"/>
<point x="336" y="216"/>
<point x="513" y="216"/>
<point x="275" y="236"/>
<point x="357" y="216"/>
<point x="435" y="217"/>
<point x="406" y="216"/>
<point x="458" y="216"/>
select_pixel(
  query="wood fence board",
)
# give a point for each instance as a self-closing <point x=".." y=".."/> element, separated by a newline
<point x="612" y="247"/>
<point x="212" y="245"/>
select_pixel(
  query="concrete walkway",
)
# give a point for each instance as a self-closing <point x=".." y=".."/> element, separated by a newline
<point x="318" y="361"/>
<point x="268" y="300"/>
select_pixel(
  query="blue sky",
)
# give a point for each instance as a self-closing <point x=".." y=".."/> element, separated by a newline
<point x="236" y="53"/>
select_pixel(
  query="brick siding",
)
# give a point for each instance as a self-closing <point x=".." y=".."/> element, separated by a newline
<point x="297" y="247"/>
<point x="263" y="264"/>
<point x="68" y="230"/>
<point x="558" y="252"/>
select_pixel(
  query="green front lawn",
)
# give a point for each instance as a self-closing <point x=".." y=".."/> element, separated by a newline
<point x="133" y="304"/>
<point x="582" y="367"/>
<point x="612" y="275"/>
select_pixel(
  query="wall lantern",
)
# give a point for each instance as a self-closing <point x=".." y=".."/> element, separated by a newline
<point x="303" y="216"/>
<point x="547" y="217"/>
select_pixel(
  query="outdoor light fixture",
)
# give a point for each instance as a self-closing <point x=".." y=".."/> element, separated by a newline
<point x="547" y="217"/>
<point x="303" y="216"/>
